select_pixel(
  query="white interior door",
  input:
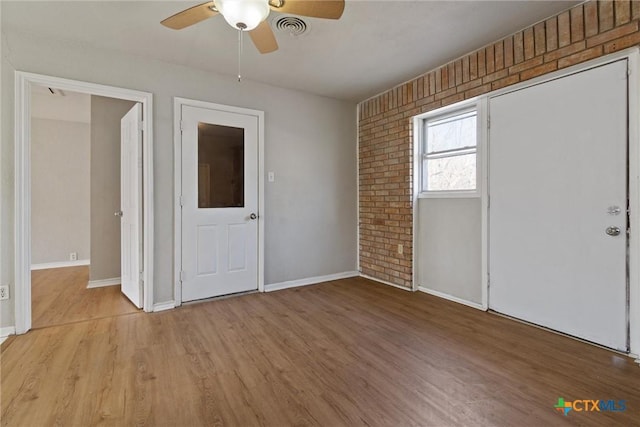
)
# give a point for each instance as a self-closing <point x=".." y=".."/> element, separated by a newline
<point x="557" y="182"/>
<point x="219" y="203"/>
<point x="130" y="204"/>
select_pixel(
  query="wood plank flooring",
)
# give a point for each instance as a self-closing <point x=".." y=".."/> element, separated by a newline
<point x="60" y="295"/>
<point x="344" y="353"/>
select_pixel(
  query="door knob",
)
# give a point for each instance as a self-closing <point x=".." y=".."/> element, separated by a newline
<point x="253" y="216"/>
<point x="613" y="231"/>
<point x="119" y="213"/>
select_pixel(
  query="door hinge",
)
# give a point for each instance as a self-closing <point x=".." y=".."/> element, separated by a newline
<point x="181" y="125"/>
<point x="180" y="201"/>
<point x="141" y="124"/>
<point x="488" y="122"/>
<point x="183" y="276"/>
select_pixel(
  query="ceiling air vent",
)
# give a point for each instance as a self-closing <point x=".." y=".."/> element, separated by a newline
<point x="290" y="25"/>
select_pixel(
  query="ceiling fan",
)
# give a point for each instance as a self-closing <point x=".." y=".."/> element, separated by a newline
<point x="251" y="15"/>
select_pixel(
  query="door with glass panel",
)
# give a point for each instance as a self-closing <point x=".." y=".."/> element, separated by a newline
<point x="219" y="203"/>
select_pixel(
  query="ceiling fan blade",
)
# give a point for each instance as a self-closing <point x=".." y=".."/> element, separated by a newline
<point x="328" y="9"/>
<point x="190" y="16"/>
<point x="263" y="37"/>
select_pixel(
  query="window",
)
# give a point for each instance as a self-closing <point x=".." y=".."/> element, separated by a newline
<point x="449" y="153"/>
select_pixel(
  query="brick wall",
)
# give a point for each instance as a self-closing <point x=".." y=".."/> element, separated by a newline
<point x="584" y="32"/>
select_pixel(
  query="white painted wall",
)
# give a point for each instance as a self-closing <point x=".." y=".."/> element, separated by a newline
<point x="310" y="144"/>
<point x="59" y="190"/>
<point x="6" y="184"/>
<point x="70" y="107"/>
<point x="449" y="247"/>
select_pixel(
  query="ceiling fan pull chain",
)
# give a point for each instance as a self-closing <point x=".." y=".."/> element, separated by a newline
<point x="240" y="54"/>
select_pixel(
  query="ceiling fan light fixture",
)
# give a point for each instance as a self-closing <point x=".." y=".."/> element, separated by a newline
<point x="244" y="15"/>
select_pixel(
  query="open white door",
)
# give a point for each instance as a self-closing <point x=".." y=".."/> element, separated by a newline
<point x="130" y="204"/>
<point x="558" y="205"/>
<point x="219" y="203"/>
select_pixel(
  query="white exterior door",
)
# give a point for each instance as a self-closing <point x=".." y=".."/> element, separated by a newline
<point x="219" y="203"/>
<point x="130" y="204"/>
<point x="558" y="205"/>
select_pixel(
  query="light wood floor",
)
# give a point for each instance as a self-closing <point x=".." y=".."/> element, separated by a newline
<point x="60" y="295"/>
<point x="344" y="353"/>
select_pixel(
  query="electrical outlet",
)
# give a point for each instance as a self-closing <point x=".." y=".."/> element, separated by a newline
<point x="4" y="292"/>
<point x="400" y="249"/>
<point x="73" y="256"/>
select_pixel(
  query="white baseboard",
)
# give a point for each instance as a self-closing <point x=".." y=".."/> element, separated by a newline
<point x="60" y="264"/>
<point x="5" y="332"/>
<point x="309" y="281"/>
<point x="451" y="298"/>
<point x="162" y="306"/>
<point x="384" y="282"/>
<point x="104" y="282"/>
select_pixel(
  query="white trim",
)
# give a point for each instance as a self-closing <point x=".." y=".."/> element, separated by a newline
<point x="384" y="282"/>
<point x="483" y="163"/>
<point x="178" y="103"/>
<point x="451" y="298"/>
<point x="358" y="187"/>
<point x="60" y="264"/>
<point x="452" y="194"/>
<point x="417" y="177"/>
<point x="6" y="331"/>
<point x="310" y="281"/>
<point x="23" y="82"/>
<point x="633" y="59"/>
<point x="177" y="195"/>
<point x="104" y="282"/>
<point x="162" y="306"/>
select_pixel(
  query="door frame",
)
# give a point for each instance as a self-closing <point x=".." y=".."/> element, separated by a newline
<point x="22" y="188"/>
<point x="632" y="55"/>
<point x="178" y="103"/>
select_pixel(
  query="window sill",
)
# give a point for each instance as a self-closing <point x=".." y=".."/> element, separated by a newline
<point x="450" y="195"/>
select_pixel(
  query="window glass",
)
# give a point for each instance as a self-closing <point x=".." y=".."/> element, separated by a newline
<point x="220" y="166"/>
<point x="452" y="133"/>
<point x="449" y="153"/>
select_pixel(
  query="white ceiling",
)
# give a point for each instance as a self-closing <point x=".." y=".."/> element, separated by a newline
<point x="374" y="46"/>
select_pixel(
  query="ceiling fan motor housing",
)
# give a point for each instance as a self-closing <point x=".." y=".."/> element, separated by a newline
<point x="244" y="15"/>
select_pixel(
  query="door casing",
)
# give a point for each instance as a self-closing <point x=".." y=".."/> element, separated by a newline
<point x="178" y="103"/>
<point x="22" y="224"/>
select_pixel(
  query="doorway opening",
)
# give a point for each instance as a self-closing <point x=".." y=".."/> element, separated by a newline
<point x="76" y="256"/>
<point x="83" y="154"/>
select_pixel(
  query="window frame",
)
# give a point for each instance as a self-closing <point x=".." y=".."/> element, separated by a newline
<point x="420" y="130"/>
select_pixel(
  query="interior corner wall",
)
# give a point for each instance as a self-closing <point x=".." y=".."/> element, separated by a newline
<point x="584" y="32"/>
<point x="105" y="185"/>
<point x="310" y="144"/>
<point x="59" y="190"/>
